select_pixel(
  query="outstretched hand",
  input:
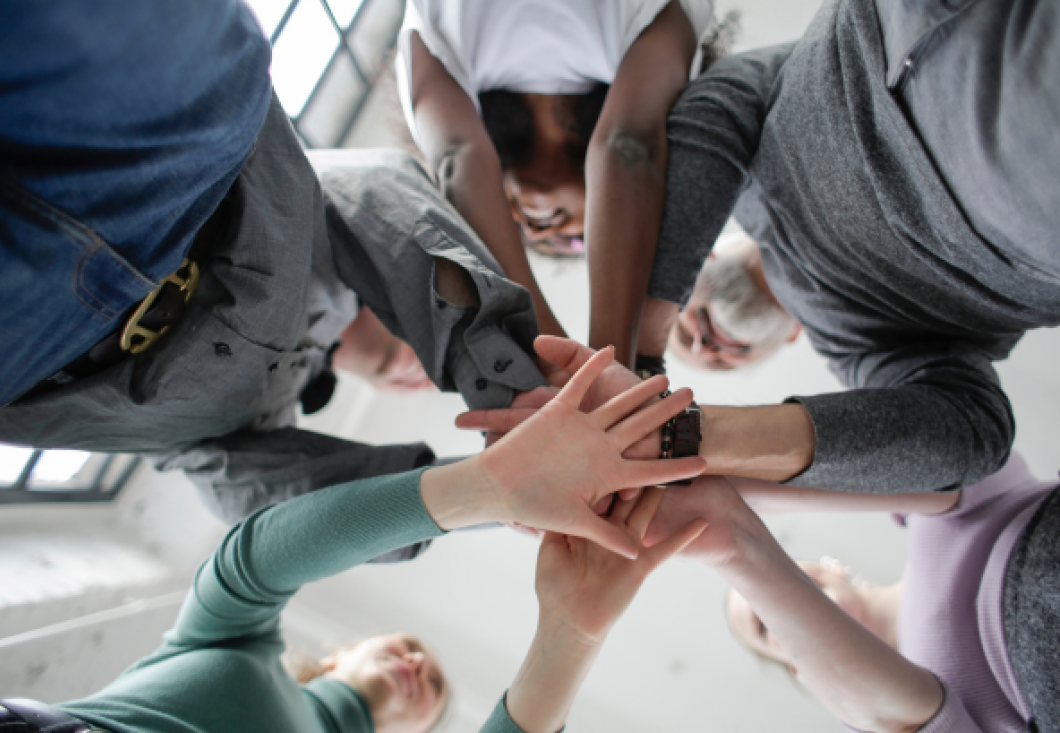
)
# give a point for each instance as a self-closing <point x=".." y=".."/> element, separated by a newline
<point x="552" y="469"/>
<point x="587" y="588"/>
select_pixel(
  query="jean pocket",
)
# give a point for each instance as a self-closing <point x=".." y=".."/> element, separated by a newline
<point x="63" y="289"/>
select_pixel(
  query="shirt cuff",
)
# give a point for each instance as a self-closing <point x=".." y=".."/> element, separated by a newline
<point x="500" y="721"/>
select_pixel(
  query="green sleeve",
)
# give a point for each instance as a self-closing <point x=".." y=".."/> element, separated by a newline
<point x="500" y="722"/>
<point x="240" y="591"/>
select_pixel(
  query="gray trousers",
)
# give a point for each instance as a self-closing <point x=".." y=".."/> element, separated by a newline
<point x="1032" y="614"/>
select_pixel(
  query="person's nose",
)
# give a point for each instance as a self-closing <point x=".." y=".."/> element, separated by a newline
<point x="415" y="660"/>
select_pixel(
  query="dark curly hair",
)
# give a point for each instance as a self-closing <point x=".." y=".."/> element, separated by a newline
<point x="510" y="124"/>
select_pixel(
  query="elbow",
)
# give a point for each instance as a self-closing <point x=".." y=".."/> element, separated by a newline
<point x="457" y="159"/>
<point x="992" y="442"/>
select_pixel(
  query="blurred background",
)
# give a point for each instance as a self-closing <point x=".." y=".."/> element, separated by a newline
<point x="96" y="552"/>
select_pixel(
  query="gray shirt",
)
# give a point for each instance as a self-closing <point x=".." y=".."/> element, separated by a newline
<point x="869" y="190"/>
<point x="218" y="396"/>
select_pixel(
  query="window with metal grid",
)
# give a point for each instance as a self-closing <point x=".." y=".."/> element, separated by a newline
<point x="327" y="56"/>
<point x="28" y="475"/>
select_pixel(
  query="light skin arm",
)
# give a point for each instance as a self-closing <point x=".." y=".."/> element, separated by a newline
<point x="582" y="591"/>
<point x="463" y="160"/>
<point x="509" y="483"/>
<point x="768" y="497"/>
<point x="861" y="679"/>
<point x="683" y="503"/>
<point x="772" y="442"/>
<point x="625" y="173"/>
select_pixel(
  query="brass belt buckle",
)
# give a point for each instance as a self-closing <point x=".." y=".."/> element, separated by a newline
<point x="133" y="328"/>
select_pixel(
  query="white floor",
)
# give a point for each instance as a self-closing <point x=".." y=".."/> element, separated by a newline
<point x="670" y="665"/>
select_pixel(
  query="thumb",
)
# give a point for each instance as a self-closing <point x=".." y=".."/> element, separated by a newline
<point x="676" y="542"/>
<point x="563" y="353"/>
<point x="608" y="536"/>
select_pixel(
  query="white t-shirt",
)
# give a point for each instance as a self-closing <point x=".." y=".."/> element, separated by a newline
<point x="535" y="46"/>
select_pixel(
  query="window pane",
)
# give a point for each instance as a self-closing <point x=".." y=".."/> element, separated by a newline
<point x="325" y="121"/>
<point x="12" y="461"/>
<point x="59" y="465"/>
<point x="269" y="12"/>
<point x="344" y="10"/>
<point x="375" y="33"/>
<point x="301" y="54"/>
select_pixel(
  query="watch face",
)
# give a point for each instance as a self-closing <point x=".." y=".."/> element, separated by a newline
<point x="687" y="432"/>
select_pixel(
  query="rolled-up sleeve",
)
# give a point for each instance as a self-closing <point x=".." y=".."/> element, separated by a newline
<point x="388" y="225"/>
<point x="928" y="416"/>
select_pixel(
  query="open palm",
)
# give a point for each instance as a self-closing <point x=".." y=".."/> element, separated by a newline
<point x="551" y="469"/>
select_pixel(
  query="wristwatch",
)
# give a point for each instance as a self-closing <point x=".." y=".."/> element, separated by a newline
<point x="682" y="434"/>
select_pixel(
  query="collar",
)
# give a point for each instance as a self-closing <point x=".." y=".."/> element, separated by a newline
<point x="340" y="706"/>
<point x="908" y="27"/>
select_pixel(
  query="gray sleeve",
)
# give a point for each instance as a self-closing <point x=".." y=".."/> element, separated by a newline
<point x="713" y="132"/>
<point x="926" y="416"/>
<point x="239" y="473"/>
<point x="387" y="224"/>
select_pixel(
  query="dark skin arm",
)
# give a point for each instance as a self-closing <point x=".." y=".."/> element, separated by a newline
<point x="463" y="160"/>
<point x="625" y="172"/>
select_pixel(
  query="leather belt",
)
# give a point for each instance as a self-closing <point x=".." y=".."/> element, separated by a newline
<point x="149" y="320"/>
<point x="30" y="716"/>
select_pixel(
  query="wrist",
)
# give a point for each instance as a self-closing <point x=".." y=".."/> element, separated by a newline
<point x="460" y="494"/>
<point x="556" y="629"/>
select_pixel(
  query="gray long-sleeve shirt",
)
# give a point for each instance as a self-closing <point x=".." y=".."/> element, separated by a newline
<point x="218" y="396"/>
<point x="891" y="165"/>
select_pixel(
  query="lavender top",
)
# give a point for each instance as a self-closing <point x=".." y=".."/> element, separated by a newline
<point x="950" y="621"/>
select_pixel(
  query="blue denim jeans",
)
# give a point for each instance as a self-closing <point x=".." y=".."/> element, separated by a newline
<point x="122" y="125"/>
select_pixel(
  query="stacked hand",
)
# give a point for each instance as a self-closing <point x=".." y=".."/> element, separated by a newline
<point x="550" y="470"/>
<point x="567" y="357"/>
<point x="735" y="533"/>
<point x="583" y="589"/>
<point x="588" y="588"/>
<point x="557" y="460"/>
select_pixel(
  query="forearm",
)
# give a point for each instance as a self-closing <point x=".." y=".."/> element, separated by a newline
<point x="773" y="442"/>
<point x="769" y="497"/>
<point x="262" y="562"/>
<point x="470" y="178"/>
<point x="625" y="177"/>
<point x="865" y="682"/>
<point x="544" y="689"/>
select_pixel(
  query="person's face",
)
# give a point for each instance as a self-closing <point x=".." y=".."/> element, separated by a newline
<point x="548" y="202"/>
<point x="830" y="577"/>
<point x="698" y="339"/>
<point x="400" y="679"/>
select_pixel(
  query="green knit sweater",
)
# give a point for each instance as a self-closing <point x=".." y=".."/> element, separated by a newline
<point x="218" y="668"/>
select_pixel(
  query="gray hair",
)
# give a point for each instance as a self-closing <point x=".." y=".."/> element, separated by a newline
<point x="740" y="309"/>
